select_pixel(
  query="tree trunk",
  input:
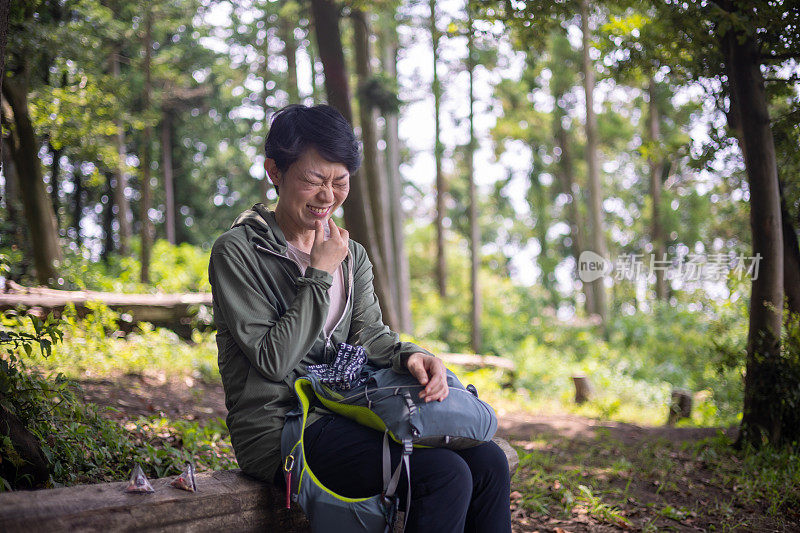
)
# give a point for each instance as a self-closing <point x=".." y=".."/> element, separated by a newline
<point x="329" y="45"/>
<point x="373" y="173"/>
<point x="791" y="263"/>
<point x="12" y="197"/>
<point x="656" y="168"/>
<point x="108" y="220"/>
<point x="771" y="382"/>
<point x="5" y="7"/>
<point x="312" y="59"/>
<point x="121" y="203"/>
<point x="265" y="75"/>
<point x="357" y="215"/>
<point x="147" y="236"/>
<point x="55" y="177"/>
<point x="33" y="470"/>
<point x="566" y="174"/>
<point x="38" y="209"/>
<point x="539" y="201"/>
<point x="474" y="230"/>
<point x="595" y="193"/>
<point x="77" y="205"/>
<point x="392" y="137"/>
<point x="286" y="29"/>
<point x="441" y="184"/>
<point x="169" y="182"/>
<point x="583" y="388"/>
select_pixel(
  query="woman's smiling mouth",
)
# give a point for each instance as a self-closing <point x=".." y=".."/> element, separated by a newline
<point x="319" y="211"/>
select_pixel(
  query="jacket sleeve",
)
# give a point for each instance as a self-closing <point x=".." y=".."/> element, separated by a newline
<point x="273" y="344"/>
<point x="367" y="329"/>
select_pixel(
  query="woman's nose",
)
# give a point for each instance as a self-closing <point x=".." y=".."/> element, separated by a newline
<point x="326" y="193"/>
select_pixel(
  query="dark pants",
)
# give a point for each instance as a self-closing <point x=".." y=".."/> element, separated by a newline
<point x="451" y="490"/>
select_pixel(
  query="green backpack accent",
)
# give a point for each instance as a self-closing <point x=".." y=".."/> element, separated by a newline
<point x="327" y="511"/>
<point x="388" y="402"/>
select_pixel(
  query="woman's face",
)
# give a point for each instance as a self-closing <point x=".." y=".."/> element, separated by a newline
<point x="311" y="189"/>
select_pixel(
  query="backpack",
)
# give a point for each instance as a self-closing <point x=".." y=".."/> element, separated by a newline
<point x="389" y="402"/>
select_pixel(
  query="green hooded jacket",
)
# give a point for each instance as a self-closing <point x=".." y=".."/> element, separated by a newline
<point x="270" y="320"/>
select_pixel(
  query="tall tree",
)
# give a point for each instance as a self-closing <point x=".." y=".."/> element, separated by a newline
<point x="356" y="209"/>
<point x="169" y="181"/>
<point x="288" y="15"/>
<point x="5" y="6"/>
<point x="389" y="47"/>
<point x="656" y="168"/>
<point x="595" y="189"/>
<point x="373" y="170"/>
<point x="38" y="209"/>
<point x="441" y="183"/>
<point x="121" y="203"/>
<point x="737" y="42"/>
<point x="474" y="229"/>
<point x="762" y="419"/>
<point x="563" y="59"/>
<point x="145" y="187"/>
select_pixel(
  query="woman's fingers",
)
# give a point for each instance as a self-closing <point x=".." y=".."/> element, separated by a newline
<point x="319" y="235"/>
<point x="334" y="228"/>
<point x="437" y="388"/>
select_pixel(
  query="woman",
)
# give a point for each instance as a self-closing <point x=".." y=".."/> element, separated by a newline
<point x="288" y="287"/>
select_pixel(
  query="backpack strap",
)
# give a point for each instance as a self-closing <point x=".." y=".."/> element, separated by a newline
<point x="390" y="483"/>
<point x="413" y="413"/>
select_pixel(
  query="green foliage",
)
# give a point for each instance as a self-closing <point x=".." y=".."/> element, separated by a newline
<point x="81" y="442"/>
<point x="93" y="346"/>
<point x="173" y="269"/>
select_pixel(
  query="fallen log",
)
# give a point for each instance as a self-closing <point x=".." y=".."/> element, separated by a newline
<point x="477" y="361"/>
<point x="175" y="311"/>
<point x="226" y="500"/>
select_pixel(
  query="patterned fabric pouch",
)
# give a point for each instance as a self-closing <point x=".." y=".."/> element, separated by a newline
<point x="345" y="372"/>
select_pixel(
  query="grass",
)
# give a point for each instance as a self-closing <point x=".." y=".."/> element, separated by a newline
<point x="656" y="485"/>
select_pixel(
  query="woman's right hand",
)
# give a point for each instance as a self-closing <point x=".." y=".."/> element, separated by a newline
<point x="328" y="255"/>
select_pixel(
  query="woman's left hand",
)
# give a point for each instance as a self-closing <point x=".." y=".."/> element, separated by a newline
<point x="430" y="372"/>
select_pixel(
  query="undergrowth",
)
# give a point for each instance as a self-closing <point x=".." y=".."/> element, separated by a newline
<point x="79" y="443"/>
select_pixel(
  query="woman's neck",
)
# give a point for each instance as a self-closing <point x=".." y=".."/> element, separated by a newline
<point x="297" y="237"/>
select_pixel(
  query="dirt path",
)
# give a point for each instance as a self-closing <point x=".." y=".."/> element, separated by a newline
<point x="576" y="474"/>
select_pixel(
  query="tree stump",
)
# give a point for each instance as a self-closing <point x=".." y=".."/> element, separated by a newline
<point x="583" y="388"/>
<point x="681" y="406"/>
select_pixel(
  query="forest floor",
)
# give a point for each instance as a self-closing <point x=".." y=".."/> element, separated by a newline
<point x="576" y="474"/>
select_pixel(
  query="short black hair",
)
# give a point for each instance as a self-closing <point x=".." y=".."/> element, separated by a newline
<point x="297" y="127"/>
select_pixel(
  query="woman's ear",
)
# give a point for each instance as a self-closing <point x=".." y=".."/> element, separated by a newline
<point x="272" y="172"/>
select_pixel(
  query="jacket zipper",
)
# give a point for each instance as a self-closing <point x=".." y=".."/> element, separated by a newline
<point x="349" y="289"/>
<point x="346" y="302"/>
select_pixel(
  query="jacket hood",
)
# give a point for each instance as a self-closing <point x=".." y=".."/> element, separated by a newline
<point x="261" y="228"/>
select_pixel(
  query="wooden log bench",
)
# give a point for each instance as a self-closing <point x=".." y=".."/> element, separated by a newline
<point x="226" y="500"/>
<point x="173" y="311"/>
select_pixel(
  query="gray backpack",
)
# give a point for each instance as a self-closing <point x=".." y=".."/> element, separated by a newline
<point x="388" y="402"/>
